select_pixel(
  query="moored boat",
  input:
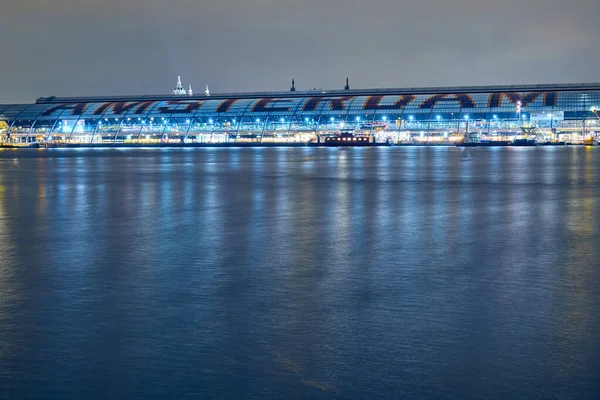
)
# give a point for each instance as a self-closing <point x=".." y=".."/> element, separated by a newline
<point x="347" y="138"/>
<point x="524" y="142"/>
<point x="484" y="143"/>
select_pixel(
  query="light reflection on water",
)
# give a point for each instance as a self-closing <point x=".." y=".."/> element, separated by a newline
<point x="300" y="272"/>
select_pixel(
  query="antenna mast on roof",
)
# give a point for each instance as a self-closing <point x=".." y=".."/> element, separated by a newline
<point x="347" y="87"/>
<point x="207" y="92"/>
<point x="179" y="90"/>
<point x="293" y="88"/>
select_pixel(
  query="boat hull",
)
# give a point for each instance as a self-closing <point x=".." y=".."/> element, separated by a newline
<point x="524" y="143"/>
<point x="495" y="143"/>
<point x="348" y="144"/>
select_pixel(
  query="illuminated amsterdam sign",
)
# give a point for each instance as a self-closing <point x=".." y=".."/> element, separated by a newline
<point x="304" y="104"/>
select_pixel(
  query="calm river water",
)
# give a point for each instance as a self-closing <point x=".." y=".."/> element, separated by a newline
<point x="288" y="273"/>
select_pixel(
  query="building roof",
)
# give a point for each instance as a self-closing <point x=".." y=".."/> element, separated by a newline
<point x="328" y="93"/>
<point x="309" y="104"/>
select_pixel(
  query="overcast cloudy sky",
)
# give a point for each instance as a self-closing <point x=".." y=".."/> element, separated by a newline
<point x="82" y="47"/>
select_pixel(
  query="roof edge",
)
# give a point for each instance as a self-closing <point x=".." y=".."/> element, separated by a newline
<point x="326" y="93"/>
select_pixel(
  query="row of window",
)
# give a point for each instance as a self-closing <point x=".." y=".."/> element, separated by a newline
<point x="450" y="126"/>
<point x="448" y="112"/>
<point x="365" y="121"/>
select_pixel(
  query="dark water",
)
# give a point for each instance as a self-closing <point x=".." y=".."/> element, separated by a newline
<point x="427" y="273"/>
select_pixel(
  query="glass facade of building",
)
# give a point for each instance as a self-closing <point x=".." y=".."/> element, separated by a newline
<point x="550" y="112"/>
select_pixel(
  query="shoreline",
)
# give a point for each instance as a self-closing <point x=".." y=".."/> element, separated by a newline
<point x="268" y="145"/>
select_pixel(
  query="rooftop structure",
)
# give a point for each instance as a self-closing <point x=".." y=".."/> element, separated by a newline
<point x="179" y="90"/>
<point x="432" y="114"/>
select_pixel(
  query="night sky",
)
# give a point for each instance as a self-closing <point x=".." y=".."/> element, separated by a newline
<point x="75" y="47"/>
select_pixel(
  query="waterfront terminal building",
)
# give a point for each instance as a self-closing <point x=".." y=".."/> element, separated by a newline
<point x="434" y="115"/>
